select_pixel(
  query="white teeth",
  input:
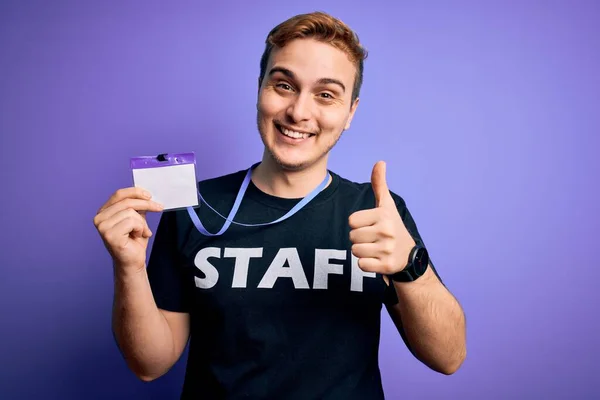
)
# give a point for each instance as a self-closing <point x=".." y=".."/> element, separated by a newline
<point x="295" y="135"/>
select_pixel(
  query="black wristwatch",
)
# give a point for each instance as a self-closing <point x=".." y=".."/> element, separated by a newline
<point x="418" y="260"/>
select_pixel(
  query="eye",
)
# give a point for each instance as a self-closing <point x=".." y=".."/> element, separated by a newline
<point x="284" y="86"/>
<point x="327" y="96"/>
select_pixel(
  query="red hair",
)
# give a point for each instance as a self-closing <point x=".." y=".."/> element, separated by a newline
<point x="322" y="27"/>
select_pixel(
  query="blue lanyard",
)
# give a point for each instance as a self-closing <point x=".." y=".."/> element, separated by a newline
<point x="229" y="220"/>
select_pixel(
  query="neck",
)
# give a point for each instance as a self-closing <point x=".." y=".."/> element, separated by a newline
<point x="272" y="179"/>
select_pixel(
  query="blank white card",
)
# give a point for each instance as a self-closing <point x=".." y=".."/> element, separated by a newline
<point x="174" y="186"/>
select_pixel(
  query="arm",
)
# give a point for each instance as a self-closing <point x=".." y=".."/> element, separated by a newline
<point x="427" y="316"/>
<point x="151" y="340"/>
<point x="431" y="321"/>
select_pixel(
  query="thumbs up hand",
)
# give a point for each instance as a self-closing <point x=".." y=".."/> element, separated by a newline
<point x="379" y="238"/>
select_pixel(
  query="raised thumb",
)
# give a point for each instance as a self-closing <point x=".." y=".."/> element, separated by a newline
<point x="379" y="184"/>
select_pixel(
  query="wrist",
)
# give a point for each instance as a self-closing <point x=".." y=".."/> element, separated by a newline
<point x="128" y="272"/>
<point x="415" y="267"/>
<point x="406" y="261"/>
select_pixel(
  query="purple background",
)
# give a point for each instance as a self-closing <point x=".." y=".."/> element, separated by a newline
<point x="488" y="114"/>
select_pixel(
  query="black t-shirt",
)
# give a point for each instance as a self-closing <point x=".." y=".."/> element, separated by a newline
<point x="280" y="311"/>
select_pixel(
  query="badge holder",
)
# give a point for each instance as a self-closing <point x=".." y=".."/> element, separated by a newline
<point x="170" y="178"/>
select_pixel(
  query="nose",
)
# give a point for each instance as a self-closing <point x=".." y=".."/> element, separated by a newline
<point x="300" y="108"/>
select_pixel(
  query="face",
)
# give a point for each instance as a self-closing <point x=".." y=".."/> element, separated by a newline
<point x="305" y="102"/>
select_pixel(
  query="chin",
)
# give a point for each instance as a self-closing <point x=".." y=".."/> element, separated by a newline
<point x="288" y="163"/>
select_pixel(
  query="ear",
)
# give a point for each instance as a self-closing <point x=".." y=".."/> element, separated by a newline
<point x="352" y="111"/>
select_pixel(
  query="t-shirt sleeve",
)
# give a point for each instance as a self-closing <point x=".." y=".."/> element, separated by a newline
<point x="390" y="297"/>
<point x="165" y="269"/>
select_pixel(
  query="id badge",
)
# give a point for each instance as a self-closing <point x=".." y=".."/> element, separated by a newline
<point x="170" y="178"/>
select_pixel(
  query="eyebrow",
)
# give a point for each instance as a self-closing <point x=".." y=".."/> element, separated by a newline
<point x="322" y="81"/>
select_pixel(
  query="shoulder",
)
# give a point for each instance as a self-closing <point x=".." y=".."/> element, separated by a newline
<point x="362" y="192"/>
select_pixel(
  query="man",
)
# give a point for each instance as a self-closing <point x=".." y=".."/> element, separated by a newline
<point x="288" y="310"/>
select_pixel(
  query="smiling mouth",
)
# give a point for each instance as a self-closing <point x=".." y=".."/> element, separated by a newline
<point x="293" y="134"/>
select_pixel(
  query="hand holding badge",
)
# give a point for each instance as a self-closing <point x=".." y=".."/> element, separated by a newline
<point x="163" y="182"/>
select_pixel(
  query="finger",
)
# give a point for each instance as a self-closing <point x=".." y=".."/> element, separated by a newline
<point x="106" y="226"/>
<point x="135" y="204"/>
<point x="367" y="234"/>
<point x="133" y="192"/>
<point x="369" y="264"/>
<point x="363" y="218"/>
<point x="129" y="213"/>
<point x="379" y="184"/>
<point x="121" y="233"/>
<point x="366" y="250"/>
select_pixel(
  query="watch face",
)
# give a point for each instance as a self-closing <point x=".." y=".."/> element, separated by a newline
<point x="417" y="265"/>
<point x="421" y="260"/>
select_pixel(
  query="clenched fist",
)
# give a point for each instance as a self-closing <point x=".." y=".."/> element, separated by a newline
<point x="121" y="222"/>
<point x="379" y="238"/>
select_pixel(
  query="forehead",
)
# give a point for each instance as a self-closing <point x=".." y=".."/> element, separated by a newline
<point x="311" y="60"/>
